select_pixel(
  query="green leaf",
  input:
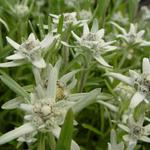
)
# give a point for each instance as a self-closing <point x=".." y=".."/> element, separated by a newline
<point x="133" y="7"/>
<point x="60" y="24"/>
<point x="14" y="86"/>
<point x="64" y="141"/>
<point x="93" y="129"/>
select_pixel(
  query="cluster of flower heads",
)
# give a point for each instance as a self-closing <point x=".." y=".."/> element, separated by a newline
<point x="52" y="97"/>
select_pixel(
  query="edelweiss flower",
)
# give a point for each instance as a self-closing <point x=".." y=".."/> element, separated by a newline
<point x="145" y="13"/>
<point x="118" y="17"/>
<point x="45" y="111"/>
<point x="136" y="131"/>
<point x="113" y="142"/>
<point x="141" y="82"/>
<point x="132" y="37"/>
<point x="30" y="50"/>
<point x="85" y="15"/>
<point x="69" y="19"/>
<point x="21" y="10"/>
<point x="93" y="42"/>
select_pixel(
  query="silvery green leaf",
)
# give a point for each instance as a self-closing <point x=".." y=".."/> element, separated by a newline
<point x="12" y="64"/>
<point x="76" y="96"/>
<point x="119" y="27"/>
<point x="14" y="86"/>
<point x="121" y="77"/>
<point x="16" y="56"/>
<point x="11" y="135"/>
<point x="85" y="101"/>
<point x="11" y="104"/>
<point x="136" y="99"/>
<point x="101" y="60"/>
<point x="76" y="37"/>
<point x="13" y="43"/>
<point x="4" y="23"/>
<point x="108" y="105"/>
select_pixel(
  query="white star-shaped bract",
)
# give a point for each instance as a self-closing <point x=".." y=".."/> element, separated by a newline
<point x="141" y="82"/>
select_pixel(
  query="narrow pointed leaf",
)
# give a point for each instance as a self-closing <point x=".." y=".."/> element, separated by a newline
<point x="65" y="138"/>
<point x="14" y="86"/>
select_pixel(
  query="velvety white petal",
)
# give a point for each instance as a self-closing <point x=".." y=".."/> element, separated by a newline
<point x="48" y="40"/>
<point x="13" y="43"/>
<point x="26" y="107"/>
<point x="132" y="29"/>
<point x="16" y="56"/>
<point x="65" y="78"/>
<point x="85" y="29"/>
<point x="136" y="99"/>
<point x="133" y="74"/>
<point x="100" y="33"/>
<point x="11" y="135"/>
<point x="145" y="43"/>
<point x="126" y="137"/>
<point x="11" y="64"/>
<point x="11" y="104"/>
<point x="76" y="37"/>
<point x="140" y="34"/>
<point x="145" y="139"/>
<point x="125" y="128"/>
<point x="72" y="84"/>
<point x="102" y="61"/>
<point x="119" y="27"/>
<point x="120" y="77"/>
<point x="147" y="129"/>
<point x="110" y="48"/>
<point x="52" y="80"/>
<point x="32" y="37"/>
<point x="146" y="66"/>
<point x="55" y="16"/>
<point x="39" y="63"/>
<point x="94" y="26"/>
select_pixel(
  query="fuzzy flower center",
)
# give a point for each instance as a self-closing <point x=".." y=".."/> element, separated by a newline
<point x="137" y="131"/>
<point x="30" y="44"/>
<point x="46" y="115"/>
<point x="143" y="84"/>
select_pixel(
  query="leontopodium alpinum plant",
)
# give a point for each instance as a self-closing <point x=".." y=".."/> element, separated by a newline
<point x="133" y="37"/>
<point x="92" y="41"/>
<point x="46" y="107"/>
<point x="141" y="83"/>
<point x="29" y="51"/>
<point x="136" y="131"/>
